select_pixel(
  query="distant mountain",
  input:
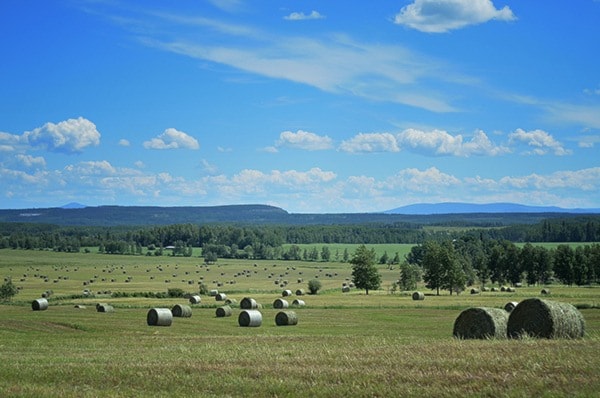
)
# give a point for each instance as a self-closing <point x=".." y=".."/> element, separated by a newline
<point x="467" y="208"/>
<point x="73" y="205"/>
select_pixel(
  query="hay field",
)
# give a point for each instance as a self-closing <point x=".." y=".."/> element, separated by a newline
<point x="344" y="344"/>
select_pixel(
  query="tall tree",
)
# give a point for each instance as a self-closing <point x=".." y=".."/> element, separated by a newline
<point x="364" y="272"/>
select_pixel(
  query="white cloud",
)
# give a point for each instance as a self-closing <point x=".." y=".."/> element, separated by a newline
<point x="440" y="142"/>
<point x="10" y="142"/>
<point x="428" y="180"/>
<point x="124" y="142"/>
<point x="300" y="16"/>
<point x="439" y="16"/>
<point x="584" y="179"/>
<point x="540" y="141"/>
<point x="172" y="139"/>
<point x="69" y="136"/>
<point x="31" y="161"/>
<point x="304" y="140"/>
<point x="370" y="142"/>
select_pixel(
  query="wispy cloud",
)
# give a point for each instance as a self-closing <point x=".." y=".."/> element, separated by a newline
<point x="439" y="16"/>
<point x="539" y="142"/>
<point x="370" y="142"/>
<point x="300" y="16"/>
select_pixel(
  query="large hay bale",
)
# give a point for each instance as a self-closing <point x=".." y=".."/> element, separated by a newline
<point x="105" y="308"/>
<point x="418" y="296"/>
<point x="508" y="307"/>
<point x="545" y="291"/>
<point x="280" y="303"/>
<point x="345" y="289"/>
<point x="195" y="299"/>
<point x="98" y="305"/>
<point x="286" y="318"/>
<point x="481" y="323"/>
<point x="300" y="292"/>
<point x="286" y="293"/>
<point x="40" y="304"/>
<point x="298" y="303"/>
<point x="181" y="311"/>
<point x="223" y="311"/>
<point x="250" y="318"/>
<point x="231" y="301"/>
<point x="474" y="291"/>
<point x="159" y="317"/>
<point x="546" y="319"/>
<point x="248" y="303"/>
<point x="220" y="297"/>
<point x="213" y="293"/>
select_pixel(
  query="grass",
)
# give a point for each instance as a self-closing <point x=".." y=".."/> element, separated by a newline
<point x="344" y="344"/>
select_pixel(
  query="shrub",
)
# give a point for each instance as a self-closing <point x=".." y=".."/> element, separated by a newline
<point x="314" y="286"/>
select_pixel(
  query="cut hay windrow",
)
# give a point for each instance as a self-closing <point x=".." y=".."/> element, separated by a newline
<point x="181" y="311"/>
<point x="159" y="317"/>
<point x="545" y="319"/>
<point x="286" y="318"/>
<point x="508" y="307"/>
<point x="223" y="311"/>
<point x="40" y="304"/>
<point x="481" y="323"/>
<point x="418" y="296"/>
<point x="250" y="318"/>
<point x="280" y="303"/>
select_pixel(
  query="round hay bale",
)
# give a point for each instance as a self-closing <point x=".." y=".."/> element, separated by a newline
<point x="508" y="307"/>
<point x="98" y="305"/>
<point x="474" y="291"/>
<point x="231" y="301"/>
<point x="510" y="290"/>
<point x="345" y="289"/>
<point x="181" y="311"/>
<point x="159" y="317"/>
<point x="494" y="289"/>
<point x="300" y="292"/>
<point x="40" y="304"/>
<point x="486" y="289"/>
<point x="248" y="303"/>
<point x="418" y="296"/>
<point x="481" y="323"/>
<point x="286" y="293"/>
<point x="213" y="293"/>
<point x="250" y="318"/>
<point x="280" y="303"/>
<point x="105" y="308"/>
<point x="298" y="303"/>
<point x="220" y="297"/>
<point x="286" y="318"/>
<point x="195" y="299"/>
<point x="79" y="306"/>
<point x="223" y="311"/>
<point x="545" y="291"/>
<point x="546" y="319"/>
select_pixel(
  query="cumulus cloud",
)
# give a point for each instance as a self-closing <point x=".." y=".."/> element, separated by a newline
<point x="439" y="16"/>
<point x="31" y="161"/>
<point x="69" y="136"/>
<point x="124" y="142"/>
<point x="172" y="139"/>
<point x="440" y="142"/>
<point x="300" y="16"/>
<point x="370" y="142"/>
<point x="304" y="140"/>
<point x="10" y="142"/>
<point x="412" y="179"/>
<point x="539" y="141"/>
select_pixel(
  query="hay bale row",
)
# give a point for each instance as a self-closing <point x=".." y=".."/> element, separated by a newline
<point x="159" y="317"/>
<point x="418" y="296"/>
<point x="286" y="318"/>
<point x="481" y="323"/>
<point x="546" y="319"/>
<point x="181" y="311"/>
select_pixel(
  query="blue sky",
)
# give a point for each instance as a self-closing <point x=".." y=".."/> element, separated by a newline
<point x="312" y="106"/>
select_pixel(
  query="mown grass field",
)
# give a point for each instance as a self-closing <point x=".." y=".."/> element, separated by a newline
<point x="345" y="344"/>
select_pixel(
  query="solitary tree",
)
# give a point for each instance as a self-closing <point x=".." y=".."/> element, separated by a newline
<point x="8" y="290"/>
<point x="364" y="272"/>
<point x="314" y="285"/>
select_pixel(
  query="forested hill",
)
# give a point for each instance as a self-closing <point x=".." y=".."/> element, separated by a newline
<point x="106" y="216"/>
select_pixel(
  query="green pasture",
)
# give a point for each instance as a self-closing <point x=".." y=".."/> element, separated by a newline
<point x="345" y="344"/>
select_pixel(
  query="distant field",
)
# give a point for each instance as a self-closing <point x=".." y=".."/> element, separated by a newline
<point x="345" y="344"/>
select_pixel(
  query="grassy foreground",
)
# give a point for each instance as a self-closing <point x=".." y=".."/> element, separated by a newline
<point x="344" y="344"/>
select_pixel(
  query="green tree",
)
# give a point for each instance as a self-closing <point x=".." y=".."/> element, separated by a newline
<point x="8" y="290"/>
<point x="325" y="253"/>
<point x="314" y="285"/>
<point x="410" y="275"/>
<point x="364" y="272"/>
